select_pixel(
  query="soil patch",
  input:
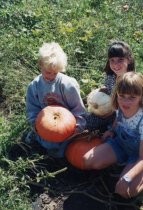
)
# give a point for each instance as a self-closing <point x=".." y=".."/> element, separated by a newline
<point x="68" y="188"/>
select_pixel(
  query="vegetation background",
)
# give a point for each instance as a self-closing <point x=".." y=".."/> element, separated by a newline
<point x="84" y="29"/>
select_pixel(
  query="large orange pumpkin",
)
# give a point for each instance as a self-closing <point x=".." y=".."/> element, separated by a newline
<point x="78" y="148"/>
<point x="55" y="123"/>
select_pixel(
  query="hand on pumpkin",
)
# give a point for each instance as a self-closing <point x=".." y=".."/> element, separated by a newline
<point x="107" y="134"/>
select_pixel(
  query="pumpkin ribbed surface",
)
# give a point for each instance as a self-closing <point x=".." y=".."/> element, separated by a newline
<point x="55" y="123"/>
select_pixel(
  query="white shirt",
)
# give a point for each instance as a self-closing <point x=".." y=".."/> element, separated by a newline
<point x="133" y="121"/>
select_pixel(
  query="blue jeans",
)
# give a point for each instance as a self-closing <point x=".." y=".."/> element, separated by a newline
<point x="54" y="149"/>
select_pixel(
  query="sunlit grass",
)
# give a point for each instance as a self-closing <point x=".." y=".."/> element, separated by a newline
<point x="83" y="28"/>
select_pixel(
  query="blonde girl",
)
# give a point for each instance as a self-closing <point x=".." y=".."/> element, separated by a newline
<point x="52" y="87"/>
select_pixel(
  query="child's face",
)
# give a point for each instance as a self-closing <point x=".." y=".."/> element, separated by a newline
<point x="129" y="104"/>
<point x="48" y="74"/>
<point x="119" y="65"/>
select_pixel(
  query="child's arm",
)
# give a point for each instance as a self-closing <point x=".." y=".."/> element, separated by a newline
<point x="75" y="104"/>
<point x="32" y="105"/>
<point x="129" y="184"/>
<point x="138" y="167"/>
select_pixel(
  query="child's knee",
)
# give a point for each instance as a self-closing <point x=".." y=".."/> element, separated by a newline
<point x="131" y="192"/>
<point x="122" y="193"/>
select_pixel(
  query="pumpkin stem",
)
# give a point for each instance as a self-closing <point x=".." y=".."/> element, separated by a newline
<point x="56" y="115"/>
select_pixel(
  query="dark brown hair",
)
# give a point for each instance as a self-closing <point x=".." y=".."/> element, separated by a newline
<point x="120" y="49"/>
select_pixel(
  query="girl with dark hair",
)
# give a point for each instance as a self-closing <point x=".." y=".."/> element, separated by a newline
<point x="120" y="60"/>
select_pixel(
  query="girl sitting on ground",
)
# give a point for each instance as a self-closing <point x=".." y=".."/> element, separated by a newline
<point x="124" y="142"/>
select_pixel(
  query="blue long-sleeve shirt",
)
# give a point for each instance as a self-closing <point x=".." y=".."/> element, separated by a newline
<point x="63" y="90"/>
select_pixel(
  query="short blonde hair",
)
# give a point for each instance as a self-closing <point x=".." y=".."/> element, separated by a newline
<point x="52" y="55"/>
<point x="130" y="83"/>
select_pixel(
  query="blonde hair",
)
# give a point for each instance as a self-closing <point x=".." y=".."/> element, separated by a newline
<point x="52" y="55"/>
<point x="130" y="83"/>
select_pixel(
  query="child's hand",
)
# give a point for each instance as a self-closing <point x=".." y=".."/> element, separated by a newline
<point x="107" y="134"/>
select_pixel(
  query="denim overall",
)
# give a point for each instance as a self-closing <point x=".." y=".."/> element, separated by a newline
<point x="126" y="142"/>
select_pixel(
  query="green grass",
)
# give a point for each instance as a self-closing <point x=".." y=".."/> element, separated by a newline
<point x="83" y="28"/>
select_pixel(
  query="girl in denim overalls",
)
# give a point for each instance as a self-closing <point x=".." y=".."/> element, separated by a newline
<point x="124" y="141"/>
